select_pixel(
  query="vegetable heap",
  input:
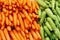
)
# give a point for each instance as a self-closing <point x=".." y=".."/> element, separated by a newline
<point x="49" y="13"/>
<point x="18" y="20"/>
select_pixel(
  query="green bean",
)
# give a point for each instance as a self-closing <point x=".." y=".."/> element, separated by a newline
<point x="47" y="38"/>
<point x="42" y="32"/>
<point x="53" y="26"/>
<point x="47" y="31"/>
<point x="48" y="26"/>
<point x="43" y="17"/>
<point x="42" y="3"/>
<point x="39" y="13"/>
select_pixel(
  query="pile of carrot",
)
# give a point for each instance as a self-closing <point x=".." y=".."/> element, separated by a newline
<point x="18" y="20"/>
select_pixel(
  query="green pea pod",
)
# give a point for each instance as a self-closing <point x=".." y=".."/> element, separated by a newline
<point x="39" y="13"/>
<point x="48" y="26"/>
<point x="42" y="3"/>
<point x="53" y="4"/>
<point x="47" y="31"/>
<point x="42" y="32"/>
<point x="57" y="32"/>
<point x="43" y="17"/>
<point x="47" y="38"/>
<point x="53" y="26"/>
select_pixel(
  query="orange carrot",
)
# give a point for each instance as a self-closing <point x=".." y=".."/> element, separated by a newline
<point x="21" y="22"/>
<point x="15" y="18"/>
<point x="38" y="34"/>
<point x="24" y="2"/>
<point x="13" y="36"/>
<point x="10" y="18"/>
<point x="2" y="27"/>
<point x="27" y="16"/>
<point x="26" y="7"/>
<point x="17" y="28"/>
<point x="26" y="31"/>
<point x="22" y="15"/>
<point x="34" y="15"/>
<point x="20" y="36"/>
<point x="2" y="35"/>
<point x="36" y="5"/>
<point x="30" y="36"/>
<point x="29" y="3"/>
<point x="36" y="10"/>
<point x="7" y="21"/>
<point x="18" y="22"/>
<point x="20" y="2"/>
<point x="16" y="34"/>
<point x="33" y="27"/>
<point x="8" y="28"/>
<point x="3" y="18"/>
<point x="35" y="24"/>
<point x="6" y="34"/>
<point x="34" y="34"/>
<point x="26" y="25"/>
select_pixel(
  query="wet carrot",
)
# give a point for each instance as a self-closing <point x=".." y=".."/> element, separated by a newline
<point x="30" y="36"/>
<point x="6" y="34"/>
<point x="26" y="14"/>
<point x="16" y="34"/>
<point x="20" y="36"/>
<point x="13" y="36"/>
<point x="2" y="35"/>
<point x="21" y="22"/>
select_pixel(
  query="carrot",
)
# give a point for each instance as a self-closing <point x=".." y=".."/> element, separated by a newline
<point x="21" y="22"/>
<point x="30" y="14"/>
<point x="2" y="35"/>
<point x="34" y="15"/>
<point x="26" y="31"/>
<point x="8" y="28"/>
<point x="20" y="36"/>
<point x="25" y="23"/>
<point x="24" y="2"/>
<point x="26" y="7"/>
<point x="30" y="36"/>
<point x="20" y="2"/>
<point x="18" y="22"/>
<point x="7" y="21"/>
<point x="22" y="15"/>
<point x="36" y="10"/>
<point x="33" y="27"/>
<point x="38" y="34"/>
<point x="33" y="5"/>
<point x="0" y="17"/>
<point x="5" y="1"/>
<point x="29" y="3"/>
<point x="15" y="18"/>
<point x="36" y="5"/>
<point x="2" y="27"/>
<point x="13" y="36"/>
<point x="17" y="28"/>
<point x="35" y="24"/>
<point x="27" y="16"/>
<point x="10" y="18"/>
<point x="10" y="23"/>
<point x="23" y="34"/>
<point x="3" y="18"/>
<point x="16" y="34"/>
<point x="6" y="34"/>
<point x="34" y="34"/>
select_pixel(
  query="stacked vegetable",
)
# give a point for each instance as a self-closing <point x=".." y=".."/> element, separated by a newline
<point x="49" y="13"/>
<point x="18" y="20"/>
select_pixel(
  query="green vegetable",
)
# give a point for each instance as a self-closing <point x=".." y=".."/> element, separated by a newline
<point x="39" y="13"/>
<point x="42" y="3"/>
<point x="48" y="26"/>
<point x="42" y="32"/>
<point x="43" y="17"/>
<point x="47" y="31"/>
<point x="47" y="38"/>
<point x="53" y="26"/>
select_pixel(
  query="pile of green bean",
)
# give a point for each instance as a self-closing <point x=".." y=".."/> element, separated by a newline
<point x="49" y="13"/>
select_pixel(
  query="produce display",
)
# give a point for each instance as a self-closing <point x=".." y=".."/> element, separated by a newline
<point x="49" y="13"/>
<point x="18" y="20"/>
